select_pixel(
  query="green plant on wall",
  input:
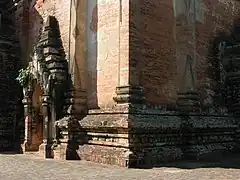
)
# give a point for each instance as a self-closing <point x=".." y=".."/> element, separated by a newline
<point x="23" y="77"/>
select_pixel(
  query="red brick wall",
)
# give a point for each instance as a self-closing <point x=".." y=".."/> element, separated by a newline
<point x="151" y="45"/>
<point x="220" y="17"/>
<point x="157" y="62"/>
<point x="103" y="55"/>
<point x="101" y="65"/>
<point x="164" y="37"/>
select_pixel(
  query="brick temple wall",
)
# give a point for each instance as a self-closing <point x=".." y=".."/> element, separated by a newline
<point x="168" y="32"/>
<point x="220" y="17"/>
<point x="102" y="51"/>
<point x="113" y="43"/>
<point x="108" y="50"/>
<point x="30" y="17"/>
<point x="90" y="37"/>
<point x="9" y="89"/>
<point x="165" y="32"/>
<point x="164" y="35"/>
<point x="153" y="49"/>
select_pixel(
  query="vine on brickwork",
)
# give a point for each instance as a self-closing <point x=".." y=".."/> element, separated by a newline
<point x="23" y="77"/>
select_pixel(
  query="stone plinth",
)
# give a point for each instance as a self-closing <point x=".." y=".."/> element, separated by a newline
<point x="148" y="137"/>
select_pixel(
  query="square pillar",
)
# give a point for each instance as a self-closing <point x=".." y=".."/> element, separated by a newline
<point x="129" y="89"/>
<point x="45" y="149"/>
<point x="27" y="102"/>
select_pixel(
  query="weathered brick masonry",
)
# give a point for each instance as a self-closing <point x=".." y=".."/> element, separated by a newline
<point x="9" y="89"/>
<point x="136" y="67"/>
